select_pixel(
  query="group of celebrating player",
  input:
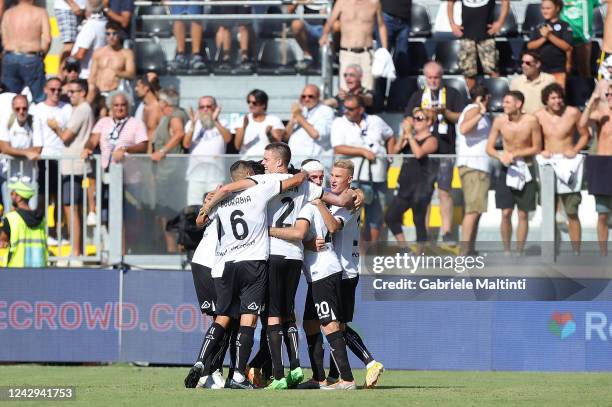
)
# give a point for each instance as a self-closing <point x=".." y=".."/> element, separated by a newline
<point x="261" y="231"/>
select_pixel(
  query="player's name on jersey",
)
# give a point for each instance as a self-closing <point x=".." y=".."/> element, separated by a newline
<point x="236" y="200"/>
<point x="234" y="248"/>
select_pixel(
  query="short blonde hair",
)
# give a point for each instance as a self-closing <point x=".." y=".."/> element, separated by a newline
<point x="346" y="164"/>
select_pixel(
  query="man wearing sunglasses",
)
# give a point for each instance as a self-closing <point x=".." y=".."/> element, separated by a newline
<point x="309" y="128"/>
<point x="352" y="77"/>
<point x="599" y="112"/>
<point x="206" y="135"/>
<point x="18" y="140"/>
<point x="532" y="81"/>
<point x="90" y="37"/>
<point x="113" y="66"/>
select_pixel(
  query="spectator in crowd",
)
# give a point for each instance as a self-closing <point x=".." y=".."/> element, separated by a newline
<point x="476" y="32"/>
<point x="149" y="111"/>
<point x="532" y="81"/>
<point x="72" y="167"/>
<point x="196" y="61"/>
<point x="308" y="31"/>
<point x="417" y="176"/>
<point x="22" y="231"/>
<point x="522" y="140"/>
<point x="49" y="114"/>
<point x="578" y="14"/>
<point x="357" y="22"/>
<point x="223" y="38"/>
<point x="258" y="127"/>
<point x="599" y="114"/>
<point x="90" y="37"/>
<point x="447" y="104"/>
<point x="19" y="140"/>
<point x="206" y="136"/>
<point x="354" y="87"/>
<point x="26" y="38"/>
<point x="120" y="11"/>
<point x="68" y="13"/>
<point x="365" y="139"/>
<point x="117" y="135"/>
<point x="112" y="67"/>
<point x="168" y="139"/>
<point x="474" y="165"/>
<point x="309" y="126"/>
<point x="70" y="72"/>
<point x="397" y="15"/>
<point x="553" y="40"/>
<point x="559" y="123"/>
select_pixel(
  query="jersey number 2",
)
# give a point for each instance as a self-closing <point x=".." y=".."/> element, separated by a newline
<point x="289" y="206"/>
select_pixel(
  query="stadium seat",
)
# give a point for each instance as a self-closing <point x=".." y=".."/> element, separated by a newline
<point x="533" y="17"/>
<point x="420" y="24"/>
<point x="578" y="90"/>
<point x="271" y="28"/>
<point x="510" y="27"/>
<point x="497" y="88"/>
<point x="157" y="28"/>
<point x="411" y="64"/>
<point x="508" y="64"/>
<point x="150" y="56"/>
<point x="598" y="23"/>
<point x="446" y="53"/>
<point x="276" y="57"/>
<point x="399" y="93"/>
<point x="457" y="83"/>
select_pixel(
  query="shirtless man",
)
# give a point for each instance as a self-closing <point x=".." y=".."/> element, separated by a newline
<point x="601" y="115"/>
<point x="26" y="37"/>
<point x="111" y="65"/>
<point x="558" y="123"/>
<point x="522" y="140"/>
<point x="357" y="19"/>
<point x="152" y="112"/>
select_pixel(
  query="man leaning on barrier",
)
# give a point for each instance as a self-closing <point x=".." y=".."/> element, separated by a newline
<point x="23" y="230"/>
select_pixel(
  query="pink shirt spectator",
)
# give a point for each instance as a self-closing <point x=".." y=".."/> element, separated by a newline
<point x="118" y="134"/>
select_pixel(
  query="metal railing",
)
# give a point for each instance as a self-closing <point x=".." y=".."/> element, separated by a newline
<point x="56" y="189"/>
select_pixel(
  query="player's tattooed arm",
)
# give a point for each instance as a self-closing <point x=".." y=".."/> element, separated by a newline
<point x="358" y="198"/>
<point x="296" y="233"/>
<point x="344" y="200"/>
<point x="331" y="223"/>
<point x="314" y="245"/>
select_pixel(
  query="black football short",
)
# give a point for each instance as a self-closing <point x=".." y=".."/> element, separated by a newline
<point x="283" y="280"/>
<point x="348" y="288"/>
<point x="242" y="288"/>
<point x="323" y="300"/>
<point x="205" y="288"/>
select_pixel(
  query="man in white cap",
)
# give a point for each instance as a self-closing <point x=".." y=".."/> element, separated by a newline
<point x="23" y="230"/>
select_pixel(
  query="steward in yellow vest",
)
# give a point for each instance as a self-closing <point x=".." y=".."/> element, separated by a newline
<point x="23" y="230"/>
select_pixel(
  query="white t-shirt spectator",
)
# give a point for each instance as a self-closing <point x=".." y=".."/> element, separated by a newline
<point x="6" y="105"/>
<point x="91" y="37"/>
<point x="52" y="144"/>
<point x="371" y="133"/>
<point x="62" y="5"/>
<point x="206" y="147"/>
<point x="255" y="137"/>
<point x="19" y="137"/>
<point x="472" y="150"/>
<point x="320" y="117"/>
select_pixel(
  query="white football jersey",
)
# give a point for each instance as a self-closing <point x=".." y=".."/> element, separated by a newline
<point x="242" y="223"/>
<point x="205" y="253"/>
<point x="346" y="241"/>
<point x="283" y="211"/>
<point x="324" y="263"/>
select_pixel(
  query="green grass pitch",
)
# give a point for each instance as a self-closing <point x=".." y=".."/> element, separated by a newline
<point x="124" y="385"/>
